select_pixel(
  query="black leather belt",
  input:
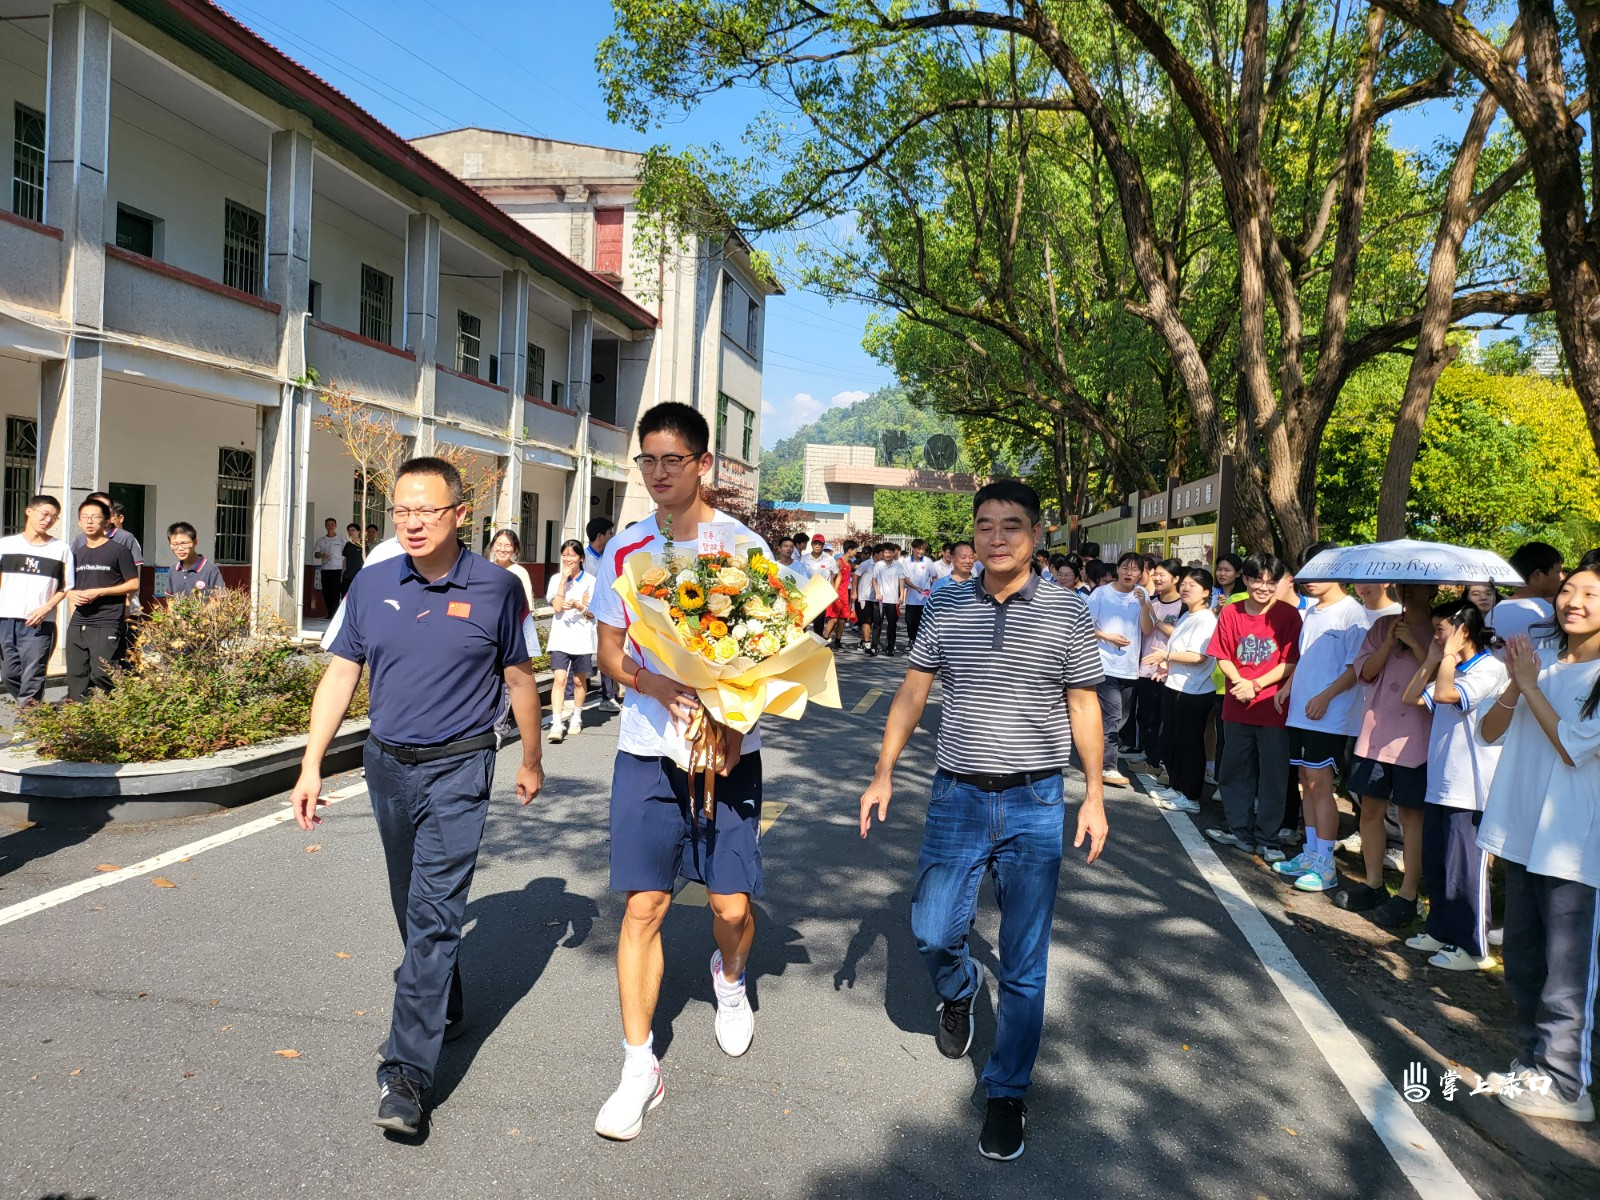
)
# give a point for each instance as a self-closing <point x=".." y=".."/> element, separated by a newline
<point x="422" y="754"/>
<point x="999" y="783"/>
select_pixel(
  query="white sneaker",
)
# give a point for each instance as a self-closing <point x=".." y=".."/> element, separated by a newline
<point x="736" y="1023"/>
<point x="1115" y="779"/>
<point x="575" y="725"/>
<point x="622" y="1116"/>
<point x="1498" y="1079"/>
<point x="555" y="729"/>
<point x="1211" y="778"/>
<point x="1453" y="958"/>
<point x="1497" y="937"/>
<point x="1351" y="844"/>
<point x="1425" y="941"/>
<point x="1394" y="859"/>
<point x="1532" y="1104"/>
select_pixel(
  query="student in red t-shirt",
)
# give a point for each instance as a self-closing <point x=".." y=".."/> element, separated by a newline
<point x="1256" y="646"/>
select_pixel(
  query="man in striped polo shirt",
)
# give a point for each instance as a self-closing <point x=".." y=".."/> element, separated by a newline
<point x="1019" y="666"/>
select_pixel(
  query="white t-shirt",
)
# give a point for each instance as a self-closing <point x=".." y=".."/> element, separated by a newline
<point x="383" y="552"/>
<point x="644" y="724"/>
<point x="1541" y="812"/>
<point x="942" y="569"/>
<point x="1513" y="618"/>
<point x="886" y="580"/>
<point x="862" y="580"/>
<point x="30" y="575"/>
<point x="329" y="553"/>
<point x="1191" y="636"/>
<point x="571" y="632"/>
<point x="824" y="565"/>
<point x="1460" y="765"/>
<point x="1371" y="616"/>
<point x="1118" y="612"/>
<point x="1330" y="636"/>
<point x="919" y="579"/>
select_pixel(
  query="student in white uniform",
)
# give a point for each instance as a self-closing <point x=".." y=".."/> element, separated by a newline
<point x="1528" y="610"/>
<point x="1458" y="680"/>
<point x="574" y="639"/>
<point x="1540" y="820"/>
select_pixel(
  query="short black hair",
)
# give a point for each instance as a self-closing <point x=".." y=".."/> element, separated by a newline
<point x="183" y="527"/>
<point x="91" y="502"/>
<point x="1233" y="560"/>
<point x="330" y="521"/>
<point x="1057" y="561"/>
<point x="1089" y="549"/>
<point x="1263" y="566"/>
<point x="788" y="537"/>
<point x="672" y="417"/>
<point x="117" y="510"/>
<point x="851" y="544"/>
<point x="1009" y="491"/>
<point x="42" y="498"/>
<point x="103" y="497"/>
<point x="1171" y="566"/>
<point x="511" y="536"/>
<point x="1201" y="576"/>
<point x="597" y="526"/>
<point x="437" y="467"/>
<point x="954" y="546"/>
<point x="1315" y="549"/>
<point x="1131" y="556"/>
<point x="919" y="544"/>
<point x="351" y="526"/>
<point x="1535" y="556"/>
<point x="373" y="529"/>
<point x="1099" y="570"/>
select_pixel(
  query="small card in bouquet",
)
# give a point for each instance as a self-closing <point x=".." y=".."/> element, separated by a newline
<point x="718" y="537"/>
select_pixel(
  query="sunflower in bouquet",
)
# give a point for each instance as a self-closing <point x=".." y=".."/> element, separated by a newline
<point x="731" y="625"/>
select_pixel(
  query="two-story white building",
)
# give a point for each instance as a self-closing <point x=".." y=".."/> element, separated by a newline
<point x="710" y="301"/>
<point x="196" y="224"/>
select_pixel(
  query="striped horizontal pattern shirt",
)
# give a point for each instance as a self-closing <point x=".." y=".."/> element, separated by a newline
<point x="1004" y="669"/>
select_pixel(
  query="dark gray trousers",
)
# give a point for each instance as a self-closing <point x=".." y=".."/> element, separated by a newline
<point x="1253" y="778"/>
<point x="25" y="650"/>
<point x="1553" y="974"/>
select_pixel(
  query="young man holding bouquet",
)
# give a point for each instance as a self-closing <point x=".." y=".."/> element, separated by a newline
<point x="656" y="832"/>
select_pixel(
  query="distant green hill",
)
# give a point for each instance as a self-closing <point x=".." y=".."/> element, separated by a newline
<point x="861" y="424"/>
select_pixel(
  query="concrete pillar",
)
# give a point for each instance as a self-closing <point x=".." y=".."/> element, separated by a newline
<point x="514" y="288"/>
<point x="283" y="452"/>
<point x="580" y="370"/>
<point x="422" y="315"/>
<point x="76" y="153"/>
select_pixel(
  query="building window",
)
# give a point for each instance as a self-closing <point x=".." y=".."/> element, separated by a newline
<point x="748" y="434"/>
<point x="722" y="423"/>
<point x="751" y="324"/>
<point x="528" y="526"/>
<point x="236" y="505"/>
<point x="27" y="163"/>
<point x="558" y="394"/>
<point x="377" y="304"/>
<point x="314" y="300"/>
<point x="22" y="460"/>
<point x="136" y="232"/>
<point x="376" y="503"/>
<point x="469" y="342"/>
<point x="608" y="241"/>
<point x="730" y="292"/>
<point x="494" y="368"/>
<point x="242" y="248"/>
<point x="534" y="386"/>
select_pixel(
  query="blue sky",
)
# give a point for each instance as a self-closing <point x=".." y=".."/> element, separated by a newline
<point x="422" y="66"/>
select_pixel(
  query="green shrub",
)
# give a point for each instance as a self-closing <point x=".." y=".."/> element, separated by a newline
<point x="199" y="681"/>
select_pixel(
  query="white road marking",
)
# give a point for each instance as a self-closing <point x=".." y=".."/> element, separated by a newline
<point x="1419" y="1157"/>
<point x="72" y="891"/>
<point x="866" y="702"/>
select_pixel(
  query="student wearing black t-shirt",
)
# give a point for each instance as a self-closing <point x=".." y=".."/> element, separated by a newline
<point x="105" y="575"/>
<point x="355" y="556"/>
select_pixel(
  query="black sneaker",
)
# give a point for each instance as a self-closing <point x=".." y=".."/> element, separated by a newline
<point x="954" y="1036"/>
<point x="1003" y="1124"/>
<point x="1360" y="897"/>
<point x="399" y="1106"/>
<point x="1395" y="913"/>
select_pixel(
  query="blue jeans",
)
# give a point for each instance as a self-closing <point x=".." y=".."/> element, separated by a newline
<point x="1016" y="835"/>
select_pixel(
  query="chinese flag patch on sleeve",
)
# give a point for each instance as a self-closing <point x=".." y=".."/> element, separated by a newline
<point x="459" y="608"/>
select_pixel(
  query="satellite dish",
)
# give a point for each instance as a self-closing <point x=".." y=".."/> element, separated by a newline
<point x="940" y="452"/>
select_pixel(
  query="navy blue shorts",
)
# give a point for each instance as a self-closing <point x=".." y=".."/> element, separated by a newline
<point x="1404" y="786"/>
<point x="655" y="838"/>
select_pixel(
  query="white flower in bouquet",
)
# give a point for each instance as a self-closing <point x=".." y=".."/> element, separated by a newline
<point x="686" y="576"/>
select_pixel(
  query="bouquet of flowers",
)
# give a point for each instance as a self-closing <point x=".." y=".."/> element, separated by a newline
<point x="732" y="624"/>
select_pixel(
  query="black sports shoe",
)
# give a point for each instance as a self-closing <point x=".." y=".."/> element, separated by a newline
<point x="1359" y="897"/>
<point x="399" y="1106"/>
<point x="1003" y="1124"/>
<point x="1395" y="913"/>
<point x="954" y="1035"/>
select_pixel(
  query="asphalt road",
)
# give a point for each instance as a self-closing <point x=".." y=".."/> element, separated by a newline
<point x="143" y="1024"/>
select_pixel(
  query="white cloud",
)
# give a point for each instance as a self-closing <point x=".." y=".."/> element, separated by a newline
<point x="781" y="418"/>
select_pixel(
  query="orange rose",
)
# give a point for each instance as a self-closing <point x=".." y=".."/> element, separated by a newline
<point x="716" y="629"/>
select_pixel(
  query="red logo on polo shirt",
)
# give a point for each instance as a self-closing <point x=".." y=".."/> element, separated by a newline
<point x="458" y="608"/>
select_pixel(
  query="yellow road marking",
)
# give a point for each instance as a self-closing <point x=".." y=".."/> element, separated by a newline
<point x="694" y="894"/>
<point x="866" y="702"/>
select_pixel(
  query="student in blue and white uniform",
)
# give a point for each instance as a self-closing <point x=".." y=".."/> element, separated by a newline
<point x="1457" y="681"/>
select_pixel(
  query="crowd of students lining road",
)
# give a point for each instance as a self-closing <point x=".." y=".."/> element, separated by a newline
<point x="1462" y="727"/>
<point x="97" y="574"/>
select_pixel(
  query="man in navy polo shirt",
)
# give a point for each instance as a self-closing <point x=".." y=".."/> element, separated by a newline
<point x="192" y="571"/>
<point x="440" y="629"/>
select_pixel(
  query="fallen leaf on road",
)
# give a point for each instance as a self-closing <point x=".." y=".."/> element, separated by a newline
<point x="314" y="847"/>
<point x="1419" y="1145"/>
<point x="188" y="1074"/>
<point x="342" y="954"/>
<point x="1289" y="1131"/>
<point x="361" y="1012"/>
<point x="79" y="1071"/>
<point x="513" y="1132"/>
<point x="216" y="1002"/>
<point x="225" y="1028"/>
<point x="287" y="1053"/>
<point x="108" y="867"/>
<point x="142" y="995"/>
<point x="163" y="881"/>
<point x="1186" y="1047"/>
<point x="183" y="860"/>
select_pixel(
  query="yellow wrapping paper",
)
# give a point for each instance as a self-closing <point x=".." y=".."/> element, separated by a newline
<point x="737" y="693"/>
